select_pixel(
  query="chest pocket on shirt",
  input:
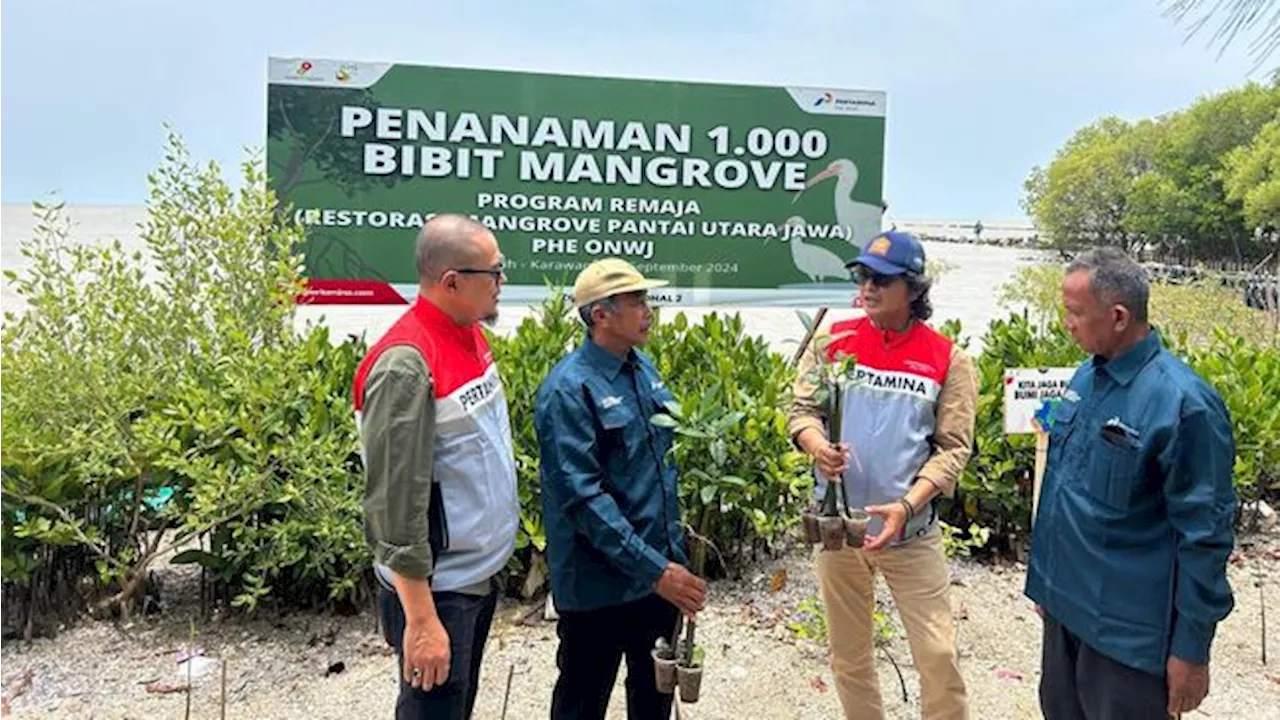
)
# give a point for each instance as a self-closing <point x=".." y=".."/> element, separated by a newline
<point x="623" y="450"/>
<point x="1115" y="472"/>
<point x="618" y="441"/>
<point x="615" y="418"/>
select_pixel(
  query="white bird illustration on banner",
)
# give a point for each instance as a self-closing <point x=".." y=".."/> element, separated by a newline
<point x="815" y="262"/>
<point x="861" y="219"/>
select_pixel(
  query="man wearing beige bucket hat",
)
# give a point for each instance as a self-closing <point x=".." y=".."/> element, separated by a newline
<point x="615" y="545"/>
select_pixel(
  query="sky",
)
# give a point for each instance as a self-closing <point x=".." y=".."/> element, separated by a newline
<point x="978" y="93"/>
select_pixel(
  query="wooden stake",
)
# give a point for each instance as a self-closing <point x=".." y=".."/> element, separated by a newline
<point x="191" y="644"/>
<point x="1042" y="455"/>
<point x="224" y="687"/>
<point x="511" y="671"/>
<point x="808" y="336"/>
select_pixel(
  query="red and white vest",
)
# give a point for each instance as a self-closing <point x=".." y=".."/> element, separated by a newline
<point x="889" y="412"/>
<point x="474" y="459"/>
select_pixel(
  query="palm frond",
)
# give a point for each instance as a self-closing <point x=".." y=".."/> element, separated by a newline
<point x="1234" y="17"/>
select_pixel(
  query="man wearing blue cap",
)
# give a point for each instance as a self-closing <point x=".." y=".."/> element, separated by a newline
<point x="906" y="434"/>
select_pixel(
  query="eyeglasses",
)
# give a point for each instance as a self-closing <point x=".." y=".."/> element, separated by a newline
<point x="493" y="272"/>
<point x="875" y="278"/>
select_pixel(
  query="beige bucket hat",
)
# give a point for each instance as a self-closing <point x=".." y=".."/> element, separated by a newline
<point x="609" y="277"/>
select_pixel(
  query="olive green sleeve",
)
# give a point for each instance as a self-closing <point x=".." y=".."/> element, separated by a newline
<point x="397" y="430"/>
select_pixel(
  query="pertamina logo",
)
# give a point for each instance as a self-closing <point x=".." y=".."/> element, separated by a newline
<point x="303" y="68"/>
<point x="829" y="101"/>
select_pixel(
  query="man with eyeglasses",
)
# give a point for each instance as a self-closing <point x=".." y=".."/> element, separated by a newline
<point x="906" y="435"/>
<point x="440" y="501"/>
<point x="609" y="496"/>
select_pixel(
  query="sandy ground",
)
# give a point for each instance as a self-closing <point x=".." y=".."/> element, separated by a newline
<point x="756" y="665"/>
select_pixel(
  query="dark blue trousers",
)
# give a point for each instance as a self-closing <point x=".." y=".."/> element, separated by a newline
<point x="467" y="619"/>
<point x="592" y="645"/>
<point x="1080" y="683"/>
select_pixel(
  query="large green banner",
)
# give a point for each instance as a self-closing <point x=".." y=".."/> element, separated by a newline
<point x="742" y="195"/>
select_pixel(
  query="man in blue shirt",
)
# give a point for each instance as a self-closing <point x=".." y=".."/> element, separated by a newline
<point x="609" y="500"/>
<point x="1134" y="527"/>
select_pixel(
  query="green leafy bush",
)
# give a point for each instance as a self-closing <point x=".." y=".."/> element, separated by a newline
<point x="1245" y="373"/>
<point x="1232" y="346"/>
<point x="743" y="483"/>
<point x="164" y="401"/>
<point x="524" y="359"/>
<point x="995" y="489"/>
<point x="159" y="397"/>
<point x="1187" y="314"/>
<point x="740" y="488"/>
<point x="277" y="439"/>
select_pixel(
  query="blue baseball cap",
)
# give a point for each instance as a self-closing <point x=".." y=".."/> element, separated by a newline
<point x="892" y="253"/>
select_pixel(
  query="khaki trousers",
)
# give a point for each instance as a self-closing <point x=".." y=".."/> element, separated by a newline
<point x="918" y="578"/>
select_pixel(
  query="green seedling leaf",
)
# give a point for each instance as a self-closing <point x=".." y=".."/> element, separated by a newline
<point x="198" y="557"/>
<point x="690" y="432"/>
<point x="806" y="320"/>
<point x="718" y="451"/>
<point x="699" y="475"/>
<point x="674" y="408"/>
<point x="663" y="420"/>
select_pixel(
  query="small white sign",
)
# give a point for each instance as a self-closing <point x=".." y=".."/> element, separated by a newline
<point x="1029" y="393"/>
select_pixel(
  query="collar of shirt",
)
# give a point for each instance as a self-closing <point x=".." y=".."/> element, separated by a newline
<point x="1125" y="367"/>
<point x="891" y="337"/>
<point x="431" y="316"/>
<point x="605" y="361"/>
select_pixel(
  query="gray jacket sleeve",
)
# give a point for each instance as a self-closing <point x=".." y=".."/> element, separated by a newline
<point x="397" y="430"/>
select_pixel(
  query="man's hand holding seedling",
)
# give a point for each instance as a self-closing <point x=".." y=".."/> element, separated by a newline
<point x="681" y="588"/>
<point x="831" y="458"/>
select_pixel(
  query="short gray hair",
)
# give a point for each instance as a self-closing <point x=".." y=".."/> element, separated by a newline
<point x="1115" y="278"/>
<point x="445" y="241"/>
<point x="584" y="312"/>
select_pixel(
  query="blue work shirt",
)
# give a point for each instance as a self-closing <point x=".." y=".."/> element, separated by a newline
<point x="609" y="493"/>
<point x="1134" y="526"/>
